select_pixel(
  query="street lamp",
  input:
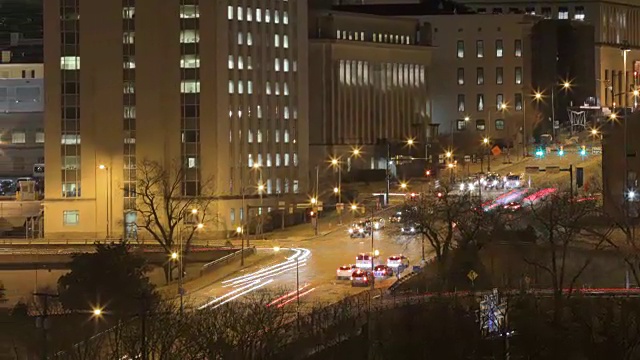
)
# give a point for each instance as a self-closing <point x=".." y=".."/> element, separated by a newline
<point x="97" y="312"/>
<point x="313" y="200"/>
<point x="487" y="142"/>
<point x="335" y="162"/>
<point x="174" y="255"/>
<point x="108" y="196"/>
<point x="448" y="154"/>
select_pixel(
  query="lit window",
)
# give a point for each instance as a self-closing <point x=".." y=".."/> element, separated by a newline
<point x="499" y="48"/>
<point x="249" y="87"/>
<point x="460" y="49"/>
<point x="249" y="39"/>
<point x="129" y="112"/>
<point x="295" y="65"/>
<point x="128" y="12"/>
<point x="285" y="41"/>
<point x="249" y="14"/>
<point x="277" y="65"/>
<point x="189" y="11"/>
<point x="70" y="63"/>
<point x="239" y="17"/>
<point x="259" y="112"/>
<point x="518" y="102"/>
<point x="189" y="61"/>
<point x="480" y="76"/>
<point x="460" y="76"/>
<point x="250" y="136"/>
<point x="286" y="65"/>
<point x="268" y="88"/>
<point x="230" y="12"/>
<point x="259" y="15"/>
<point x="18" y="137"/>
<point x="480" y="49"/>
<point x="70" y="139"/>
<point x="277" y="85"/>
<point x="259" y="136"/>
<point x="563" y="13"/>
<point x="286" y="159"/>
<point x="480" y="102"/>
<point x="189" y="36"/>
<point x="518" y="48"/>
<point x="276" y="40"/>
<point x="286" y="89"/>
<point x="286" y="113"/>
<point x="518" y="75"/>
<point x="240" y="87"/>
<point x="189" y="86"/>
<point x="285" y="17"/>
<point x="250" y="161"/>
<point x="276" y="17"/>
<point x="191" y="163"/>
<point x="70" y="217"/>
<point x="240" y="38"/>
<point x="338" y="34"/>
<point x="277" y="165"/>
<point x="231" y="87"/>
<point x="480" y="125"/>
<point x="460" y="102"/>
<point x="240" y="63"/>
<point x="499" y="75"/>
<point x="249" y="67"/>
<point x="231" y="62"/>
<point x="129" y="62"/>
<point x="579" y="14"/>
<point x="286" y="136"/>
<point x="499" y="124"/>
<point x="277" y="136"/>
<point x="39" y="137"/>
<point x="295" y="159"/>
<point x="499" y="100"/>
<point x="461" y="125"/>
<point x="267" y="16"/>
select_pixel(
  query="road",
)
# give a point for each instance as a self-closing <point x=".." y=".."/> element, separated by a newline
<point x="318" y="259"/>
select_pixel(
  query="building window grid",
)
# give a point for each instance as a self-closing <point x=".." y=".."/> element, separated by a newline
<point x="190" y="103"/>
<point x="129" y="119"/>
<point x="70" y="121"/>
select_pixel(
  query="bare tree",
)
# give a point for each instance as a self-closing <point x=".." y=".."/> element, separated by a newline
<point x="564" y="225"/>
<point x="165" y="209"/>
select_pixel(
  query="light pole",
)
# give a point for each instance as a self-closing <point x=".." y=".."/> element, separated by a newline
<point x="486" y="143"/>
<point x="239" y="232"/>
<point x="625" y="49"/>
<point x="179" y="256"/>
<point x="258" y="167"/>
<point x="335" y="162"/>
<point x="108" y="197"/>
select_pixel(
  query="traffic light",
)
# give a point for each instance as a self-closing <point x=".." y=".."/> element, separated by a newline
<point x="579" y="177"/>
<point x="561" y="151"/>
<point x="583" y="151"/>
<point x="539" y="153"/>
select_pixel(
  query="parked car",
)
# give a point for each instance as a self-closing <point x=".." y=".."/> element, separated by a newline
<point x="410" y="229"/>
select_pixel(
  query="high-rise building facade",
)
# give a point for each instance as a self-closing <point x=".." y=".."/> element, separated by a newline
<point x="215" y="87"/>
<point x="371" y="76"/>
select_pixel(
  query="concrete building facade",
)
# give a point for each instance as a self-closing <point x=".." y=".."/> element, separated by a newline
<point x="370" y="84"/>
<point x="21" y="120"/>
<point x="213" y="86"/>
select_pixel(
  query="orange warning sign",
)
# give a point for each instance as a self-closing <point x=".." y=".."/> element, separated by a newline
<point x="496" y="150"/>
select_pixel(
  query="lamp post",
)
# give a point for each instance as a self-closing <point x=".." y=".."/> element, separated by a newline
<point x="107" y="197"/>
<point x="487" y="143"/>
<point x="258" y="167"/>
<point x="179" y="256"/>
<point x="625" y="49"/>
<point x="335" y="163"/>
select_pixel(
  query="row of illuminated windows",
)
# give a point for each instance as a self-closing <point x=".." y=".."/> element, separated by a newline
<point x="239" y="87"/>
<point x="276" y="40"/>
<point x="240" y="14"/>
<point x="286" y="160"/>
<point x="240" y="63"/>
<point x="186" y="12"/>
<point x="362" y="73"/>
<point x="20" y="137"/>
<point x="70" y="63"/>
<point x="481" y="106"/>
<point x="258" y="136"/>
<point x="545" y="11"/>
<point x="499" y="75"/>
<point x="499" y="47"/>
<point x="461" y="125"/>
<point x="285" y="112"/>
<point x="375" y="37"/>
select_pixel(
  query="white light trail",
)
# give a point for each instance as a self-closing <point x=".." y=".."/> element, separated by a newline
<point x="244" y="292"/>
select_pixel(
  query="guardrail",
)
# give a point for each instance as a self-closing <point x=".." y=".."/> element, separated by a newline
<point x="213" y="265"/>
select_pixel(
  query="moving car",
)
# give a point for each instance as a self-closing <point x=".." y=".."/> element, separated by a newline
<point x="512" y="181"/>
<point x="513" y="206"/>
<point x="359" y="230"/>
<point x="410" y="229"/>
<point x="361" y="278"/>
<point x="395" y="261"/>
<point x="378" y="223"/>
<point x="344" y="272"/>
<point x="382" y="271"/>
<point x="396" y="218"/>
<point x="363" y="261"/>
<point x="493" y="181"/>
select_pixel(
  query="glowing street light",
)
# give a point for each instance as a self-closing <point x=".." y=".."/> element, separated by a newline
<point x="410" y="142"/>
<point x="336" y="190"/>
<point x="631" y="194"/>
<point x="334" y="162"/>
<point x="403" y="186"/>
<point x="314" y="200"/>
<point x="239" y="230"/>
<point x="485" y="141"/>
<point x="537" y="95"/>
<point x="376" y="252"/>
<point x="174" y="255"/>
<point x="354" y="207"/>
<point x="594" y="132"/>
<point x="467" y="118"/>
<point x="97" y="312"/>
<point x="503" y="106"/>
<point x="261" y="187"/>
<point x="448" y="154"/>
<point x="276" y="248"/>
<point x="194" y="211"/>
<point x="200" y="226"/>
<point x="450" y="165"/>
<point x="566" y="84"/>
<point x="102" y="167"/>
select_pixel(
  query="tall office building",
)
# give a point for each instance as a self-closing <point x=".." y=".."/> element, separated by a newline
<point x="213" y="86"/>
